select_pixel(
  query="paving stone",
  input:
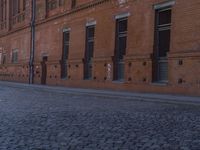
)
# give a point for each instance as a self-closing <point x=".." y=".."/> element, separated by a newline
<point x="49" y="120"/>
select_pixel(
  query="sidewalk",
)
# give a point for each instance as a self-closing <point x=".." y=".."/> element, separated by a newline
<point x="153" y="97"/>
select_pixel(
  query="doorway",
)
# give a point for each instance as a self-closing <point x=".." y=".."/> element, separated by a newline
<point x="44" y="70"/>
<point x="89" y="52"/>
<point x="162" y="45"/>
<point x="120" y="48"/>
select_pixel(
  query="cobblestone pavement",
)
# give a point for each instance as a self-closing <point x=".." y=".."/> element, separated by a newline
<point x="32" y="119"/>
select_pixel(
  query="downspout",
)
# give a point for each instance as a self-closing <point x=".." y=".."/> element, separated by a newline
<point x="32" y="51"/>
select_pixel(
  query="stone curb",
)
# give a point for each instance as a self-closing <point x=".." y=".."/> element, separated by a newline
<point x="148" y="97"/>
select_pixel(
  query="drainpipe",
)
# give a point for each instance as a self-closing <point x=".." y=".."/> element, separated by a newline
<point x="32" y="52"/>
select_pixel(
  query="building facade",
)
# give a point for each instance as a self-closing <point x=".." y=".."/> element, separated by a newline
<point x="134" y="45"/>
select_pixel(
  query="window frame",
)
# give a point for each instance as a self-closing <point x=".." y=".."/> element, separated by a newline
<point x="159" y="28"/>
<point x="3" y="13"/>
<point x="160" y="67"/>
<point x="15" y="56"/>
<point x="4" y="58"/>
<point x="65" y="53"/>
<point x="89" y="49"/>
<point x="73" y="4"/>
<point x="120" y="34"/>
<point x="54" y="4"/>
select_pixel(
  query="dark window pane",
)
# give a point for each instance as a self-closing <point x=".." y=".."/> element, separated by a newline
<point x="65" y="45"/>
<point x="122" y="25"/>
<point x="52" y="4"/>
<point x="65" y="52"/>
<point x="121" y="37"/>
<point x="64" y="69"/>
<point x="4" y="59"/>
<point x="61" y="2"/>
<point x="162" y="71"/>
<point x="164" y="17"/>
<point x="15" y="56"/>
<point x="66" y="38"/>
<point x="1" y="10"/>
<point x="24" y="4"/>
<point x="120" y="70"/>
<point x="122" y="47"/>
<point x="90" y="49"/>
<point x="90" y="42"/>
<point x="73" y="5"/>
<point x="90" y="32"/>
<point x="164" y="42"/>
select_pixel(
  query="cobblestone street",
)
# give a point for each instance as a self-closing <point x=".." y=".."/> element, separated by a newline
<point x="33" y="119"/>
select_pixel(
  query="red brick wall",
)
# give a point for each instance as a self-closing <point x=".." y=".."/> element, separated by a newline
<point x="183" y="56"/>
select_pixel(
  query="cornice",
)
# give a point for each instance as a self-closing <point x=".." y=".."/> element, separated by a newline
<point x="73" y="11"/>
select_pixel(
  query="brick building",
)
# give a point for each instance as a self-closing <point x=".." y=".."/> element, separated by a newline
<point x="136" y="45"/>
